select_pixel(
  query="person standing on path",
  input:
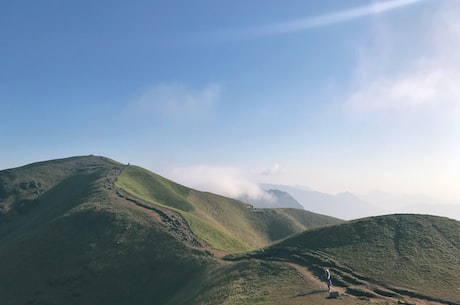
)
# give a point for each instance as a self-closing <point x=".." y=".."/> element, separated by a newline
<point x="327" y="275"/>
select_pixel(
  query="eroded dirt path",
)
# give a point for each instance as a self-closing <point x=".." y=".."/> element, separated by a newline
<point x="321" y="286"/>
<point x="313" y="280"/>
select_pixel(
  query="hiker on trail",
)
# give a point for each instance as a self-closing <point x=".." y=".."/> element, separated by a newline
<point x="327" y="275"/>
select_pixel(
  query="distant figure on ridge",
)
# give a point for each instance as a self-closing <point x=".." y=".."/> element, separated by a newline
<point x="327" y="275"/>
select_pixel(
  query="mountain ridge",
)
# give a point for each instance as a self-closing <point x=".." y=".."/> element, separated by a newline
<point x="248" y="227"/>
<point x="349" y="206"/>
<point x="69" y="234"/>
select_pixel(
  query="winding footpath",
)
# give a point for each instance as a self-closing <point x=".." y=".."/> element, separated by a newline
<point x="310" y="278"/>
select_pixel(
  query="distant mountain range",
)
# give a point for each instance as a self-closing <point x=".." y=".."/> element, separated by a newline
<point x="348" y="206"/>
<point x="343" y="205"/>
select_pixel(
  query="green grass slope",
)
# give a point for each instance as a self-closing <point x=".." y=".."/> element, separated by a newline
<point x="224" y="223"/>
<point x="412" y="255"/>
<point x="35" y="193"/>
<point x="67" y="238"/>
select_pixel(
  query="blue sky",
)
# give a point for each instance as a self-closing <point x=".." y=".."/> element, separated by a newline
<point x="348" y="95"/>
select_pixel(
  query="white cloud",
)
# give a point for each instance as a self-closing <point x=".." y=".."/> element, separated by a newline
<point x="309" y="22"/>
<point x="178" y="100"/>
<point x="406" y="100"/>
<point x="331" y="18"/>
<point x="224" y="180"/>
<point x="275" y="169"/>
<point x="424" y="87"/>
<point x="428" y="81"/>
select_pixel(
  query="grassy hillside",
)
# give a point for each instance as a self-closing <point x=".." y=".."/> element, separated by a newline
<point x="96" y="257"/>
<point x="222" y="222"/>
<point x="66" y="238"/>
<point x="408" y="254"/>
<point x="33" y="194"/>
<point x="68" y="235"/>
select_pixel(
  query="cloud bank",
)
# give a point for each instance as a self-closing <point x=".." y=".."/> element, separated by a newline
<point x="406" y="95"/>
<point x="224" y="180"/>
<point x="426" y="82"/>
<point x="273" y="170"/>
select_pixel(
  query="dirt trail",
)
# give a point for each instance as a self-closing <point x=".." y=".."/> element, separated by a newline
<point x="310" y="278"/>
<point x="314" y="281"/>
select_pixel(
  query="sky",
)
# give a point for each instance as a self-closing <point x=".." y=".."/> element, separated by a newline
<point x="351" y="95"/>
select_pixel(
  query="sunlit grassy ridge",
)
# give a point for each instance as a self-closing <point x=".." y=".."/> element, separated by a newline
<point x="224" y="223"/>
<point x="151" y="187"/>
<point x="415" y="252"/>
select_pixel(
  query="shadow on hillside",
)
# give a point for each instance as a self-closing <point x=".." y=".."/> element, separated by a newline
<point x="308" y="293"/>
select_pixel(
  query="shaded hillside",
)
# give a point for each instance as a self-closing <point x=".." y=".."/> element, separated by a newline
<point x="409" y="255"/>
<point x="66" y="238"/>
<point x="41" y="191"/>
<point x="224" y="223"/>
